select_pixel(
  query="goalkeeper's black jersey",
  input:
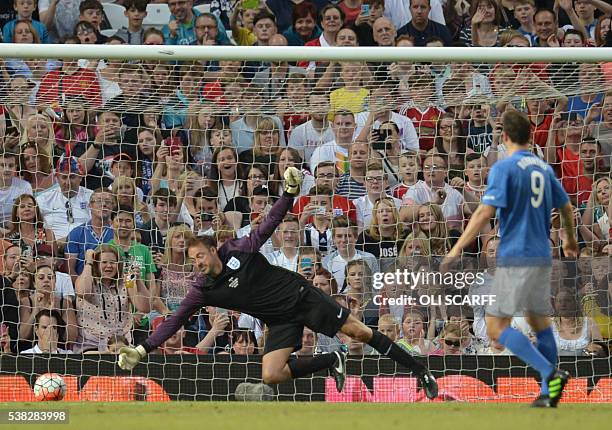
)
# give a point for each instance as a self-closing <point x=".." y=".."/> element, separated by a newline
<point x="248" y="282"/>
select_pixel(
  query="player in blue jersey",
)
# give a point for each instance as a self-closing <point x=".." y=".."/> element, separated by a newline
<point x="522" y="191"/>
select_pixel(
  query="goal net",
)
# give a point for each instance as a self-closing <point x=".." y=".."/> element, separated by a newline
<point x="113" y="157"/>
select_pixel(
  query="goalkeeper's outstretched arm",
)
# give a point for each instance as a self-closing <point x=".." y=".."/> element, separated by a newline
<point x="129" y="357"/>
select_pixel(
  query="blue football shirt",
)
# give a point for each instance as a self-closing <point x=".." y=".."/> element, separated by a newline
<point x="525" y="190"/>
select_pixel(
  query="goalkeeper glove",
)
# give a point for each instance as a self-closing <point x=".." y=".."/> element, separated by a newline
<point x="293" y="180"/>
<point x="129" y="357"/>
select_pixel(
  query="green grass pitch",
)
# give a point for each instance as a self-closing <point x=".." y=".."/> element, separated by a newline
<point x="318" y="416"/>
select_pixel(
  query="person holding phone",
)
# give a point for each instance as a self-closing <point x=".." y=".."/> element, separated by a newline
<point x="315" y="220"/>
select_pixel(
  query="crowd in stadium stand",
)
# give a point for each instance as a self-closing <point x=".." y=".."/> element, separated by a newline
<point x="108" y="167"/>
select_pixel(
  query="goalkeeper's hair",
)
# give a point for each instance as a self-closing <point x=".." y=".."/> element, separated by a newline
<point x="206" y="241"/>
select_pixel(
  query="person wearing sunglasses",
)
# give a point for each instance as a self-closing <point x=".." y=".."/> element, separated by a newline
<point x="450" y="339"/>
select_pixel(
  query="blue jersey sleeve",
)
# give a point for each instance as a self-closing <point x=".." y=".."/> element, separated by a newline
<point x="497" y="187"/>
<point x="559" y="195"/>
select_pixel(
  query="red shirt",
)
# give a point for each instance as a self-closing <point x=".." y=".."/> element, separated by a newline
<point x="350" y="14"/>
<point x="425" y="123"/>
<point x="82" y="83"/>
<point x="539" y="132"/>
<point x="573" y="180"/>
<point x="338" y="202"/>
<point x="314" y="42"/>
<point x="213" y="91"/>
<point x="399" y="190"/>
<point x="292" y="120"/>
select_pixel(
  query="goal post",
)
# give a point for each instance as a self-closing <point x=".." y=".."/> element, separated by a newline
<point x="396" y="143"/>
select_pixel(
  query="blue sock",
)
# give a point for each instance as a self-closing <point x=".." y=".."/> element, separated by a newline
<point x="520" y="346"/>
<point x="548" y="347"/>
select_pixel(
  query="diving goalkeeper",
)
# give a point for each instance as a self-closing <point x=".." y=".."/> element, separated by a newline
<point x="238" y="277"/>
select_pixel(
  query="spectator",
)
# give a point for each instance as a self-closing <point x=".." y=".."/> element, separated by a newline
<point x="115" y="343"/>
<point x="451" y="340"/>
<point x="430" y="223"/>
<point x="92" y="233"/>
<point x="546" y="27"/>
<point x="238" y="210"/>
<point x="243" y="32"/>
<point x="574" y="333"/>
<point x="435" y="189"/>
<point x="165" y="215"/>
<point x="408" y="170"/>
<point x="524" y="11"/>
<point x="11" y="187"/>
<point x="266" y="147"/>
<point x="9" y="300"/>
<point x="207" y="30"/>
<point x="124" y="192"/>
<point x="244" y="129"/>
<point x="384" y="237"/>
<point x="309" y="344"/>
<point x="316" y="132"/>
<point x="450" y="141"/>
<point x="332" y="20"/>
<point x="388" y="326"/>
<point x="358" y="280"/>
<point x="49" y="331"/>
<point x="103" y="300"/>
<point x="43" y="297"/>
<point x="145" y="156"/>
<point x="170" y="163"/>
<point x="416" y="334"/>
<point x="588" y="75"/>
<point x="27" y="229"/>
<point x="421" y="28"/>
<point x="343" y="127"/>
<point x="315" y="220"/>
<point x="376" y="185"/>
<point x="602" y="30"/>
<point x="225" y="174"/>
<point x="244" y="342"/>
<point x="259" y="206"/>
<point x="66" y="206"/>
<point x="309" y="261"/>
<point x="595" y="225"/>
<point x="289" y="237"/>
<point x="381" y="102"/>
<point x="486" y="24"/>
<point x="73" y="128"/>
<point x="596" y="298"/>
<point x="38" y="129"/>
<point x="364" y="23"/>
<point x="24" y="32"/>
<point x="181" y="28"/>
<point x="602" y="131"/>
<point x="324" y="281"/>
<point x="353" y="95"/>
<point x="264" y="27"/>
<point x="476" y="172"/>
<point x="304" y="26"/>
<point x="384" y="32"/>
<point x="344" y="236"/>
<point x="85" y="31"/>
<point x="136" y="12"/>
<point x="401" y="15"/>
<point x="35" y="167"/>
<point x="91" y="11"/>
<point x="289" y="157"/>
<point x="352" y="184"/>
<point x="25" y="10"/>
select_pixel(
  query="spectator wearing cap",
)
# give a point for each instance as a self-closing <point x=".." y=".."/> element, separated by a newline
<point x="96" y="231"/>
<point x="181" y="28"/>
<point x="421" y="28"/>
<point x="326" y="175"/>
<point x="376" y="183"/>
<point x="316" y="131"/>
<point x="260" y="202"/>
<point x="304" y="24"/>
<point x="11" y="186"/>
<point x="25" y="10"/>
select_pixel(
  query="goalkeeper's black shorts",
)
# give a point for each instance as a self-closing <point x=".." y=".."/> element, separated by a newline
<point x="315" y="310"/>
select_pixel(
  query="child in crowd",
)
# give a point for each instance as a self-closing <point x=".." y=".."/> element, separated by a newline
<point x="24" y="9"/>
<point x="409" y="172"/>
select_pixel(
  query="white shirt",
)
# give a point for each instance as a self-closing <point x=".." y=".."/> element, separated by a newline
<point x="398" y="11"/>
<point x="52" y="204"/>
<point x="37" y="350"/>
<point x="409" y="138"/>
<point x="63" y="285"/>
<point x="266" y="248"/>
<point x="502" y="152"/>
<point x="330" y="151"/>
<point x="335" y="264"/>
<point x="278" y="258"/>
<point x="364" y="207"/>
<point x="305" y="138"/>
<point x="8" y="196"/>
<point x="421" y="193"/>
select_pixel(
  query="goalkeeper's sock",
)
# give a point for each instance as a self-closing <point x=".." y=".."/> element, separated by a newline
<point x="548" y="347"/>
<point x="520" y="346"/>
<point x="305" y="366"/>
<point x="386" y="346"/>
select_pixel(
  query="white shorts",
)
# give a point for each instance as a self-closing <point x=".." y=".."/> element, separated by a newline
<point x="521" y="291"/>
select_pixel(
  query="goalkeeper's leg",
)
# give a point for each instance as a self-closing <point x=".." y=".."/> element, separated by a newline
<point x="385" y="346"/>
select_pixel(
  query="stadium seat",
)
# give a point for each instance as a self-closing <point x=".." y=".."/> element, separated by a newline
<point x="204" y="8"/>
<point x="158" y="15"/>
<point x="115" y="15"/>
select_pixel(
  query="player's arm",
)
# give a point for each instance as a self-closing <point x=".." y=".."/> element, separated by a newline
<point x="481" y="216"/>
<point x="259" y="236"/>
<point x="129" y="357"/>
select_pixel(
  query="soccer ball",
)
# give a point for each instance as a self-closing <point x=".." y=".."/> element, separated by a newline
<point x="48" y="387"/>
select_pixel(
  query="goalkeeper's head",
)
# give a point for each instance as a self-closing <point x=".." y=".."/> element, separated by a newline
<point x="202" y="253"/>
